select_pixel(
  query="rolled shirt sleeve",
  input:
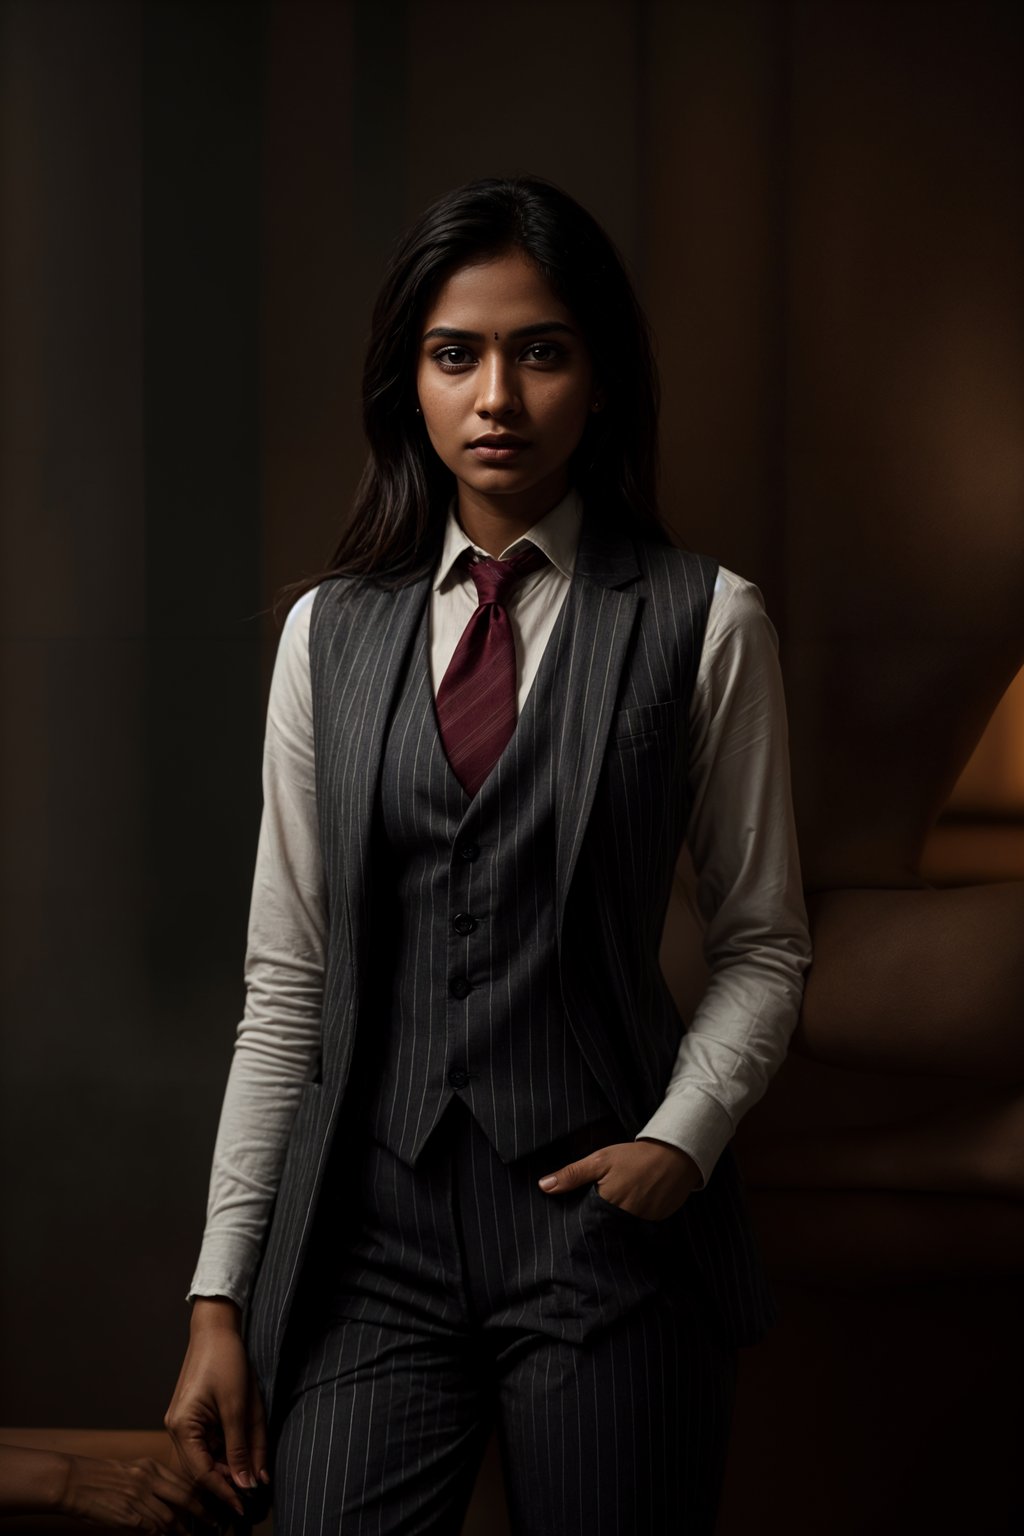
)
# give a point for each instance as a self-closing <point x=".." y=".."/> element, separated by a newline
<point x="277" y="1042"/>
<point x="741" y="835"/>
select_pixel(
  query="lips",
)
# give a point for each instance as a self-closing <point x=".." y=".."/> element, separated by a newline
<point x="498" y="448"/>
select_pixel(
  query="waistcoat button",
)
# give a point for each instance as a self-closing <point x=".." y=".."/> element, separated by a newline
<point x="463" y="922"/>
<point x="459" y="986"/>
<point x="469" y="850"/>
<point x="458" y="1078"/>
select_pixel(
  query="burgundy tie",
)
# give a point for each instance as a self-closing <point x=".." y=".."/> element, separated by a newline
<point x="476" y="700"/>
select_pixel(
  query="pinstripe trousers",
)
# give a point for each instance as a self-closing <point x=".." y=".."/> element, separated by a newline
<point x="443" y="1299"/>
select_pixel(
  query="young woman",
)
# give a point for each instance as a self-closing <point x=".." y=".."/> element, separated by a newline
<point x="473" y="1166"/>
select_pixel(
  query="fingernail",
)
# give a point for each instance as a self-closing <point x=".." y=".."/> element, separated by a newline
<point x="548" y="1182"/>
<point x="264" y="1475"/>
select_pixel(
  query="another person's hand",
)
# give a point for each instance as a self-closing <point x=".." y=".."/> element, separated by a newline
<point x="141" y="1495"/>
<point x="215" y="1417"/>
<point x="646" y="1178"/>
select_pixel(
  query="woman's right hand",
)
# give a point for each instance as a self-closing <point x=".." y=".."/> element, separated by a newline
<point x="215" y="1417"/>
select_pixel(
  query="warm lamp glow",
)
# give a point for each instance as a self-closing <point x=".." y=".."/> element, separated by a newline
<point x="992" y="783"/>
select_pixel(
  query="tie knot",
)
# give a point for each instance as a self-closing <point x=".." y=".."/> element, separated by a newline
<point x="496" y="578"/>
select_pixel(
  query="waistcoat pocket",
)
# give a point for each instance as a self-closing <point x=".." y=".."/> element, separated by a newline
<point x="645" y="719"/>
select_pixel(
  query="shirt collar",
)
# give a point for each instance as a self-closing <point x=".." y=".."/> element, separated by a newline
<point x="557" y="533"/>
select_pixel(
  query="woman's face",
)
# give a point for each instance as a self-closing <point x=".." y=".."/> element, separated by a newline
<point x="500" y="355"/>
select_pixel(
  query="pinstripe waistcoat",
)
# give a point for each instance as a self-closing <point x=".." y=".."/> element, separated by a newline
<point x="464" y="963"/>
<point x="600" y="775"/>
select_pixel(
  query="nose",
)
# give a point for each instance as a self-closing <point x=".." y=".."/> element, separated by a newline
<point x="496" y="395"/>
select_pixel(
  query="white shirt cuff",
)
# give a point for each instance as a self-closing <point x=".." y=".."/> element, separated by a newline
<point x="226" y="1268"/>
<point x="695" y="1123"/>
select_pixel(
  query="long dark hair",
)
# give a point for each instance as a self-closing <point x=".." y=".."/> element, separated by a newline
<point x="396" y="527"/>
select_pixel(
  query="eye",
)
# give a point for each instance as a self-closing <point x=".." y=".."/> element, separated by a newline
<point x="551" y="347"/>
<point x="443" y="359"/>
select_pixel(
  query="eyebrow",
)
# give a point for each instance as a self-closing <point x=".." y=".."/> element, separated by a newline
<point x="541" y="328"/>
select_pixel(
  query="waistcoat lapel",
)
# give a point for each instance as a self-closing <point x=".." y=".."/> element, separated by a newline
<point x="600" y="621"/>
<point x="366" y="646"/>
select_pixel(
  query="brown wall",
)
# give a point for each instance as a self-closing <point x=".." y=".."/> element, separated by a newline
<point x="131" y="574"/>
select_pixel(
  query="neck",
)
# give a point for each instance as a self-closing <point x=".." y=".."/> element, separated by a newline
<point x="495" y="522"/>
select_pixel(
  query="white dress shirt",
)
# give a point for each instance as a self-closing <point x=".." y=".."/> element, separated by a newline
<point x="740" y="834"/>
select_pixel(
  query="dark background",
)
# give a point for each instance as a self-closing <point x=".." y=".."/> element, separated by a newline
<point x="821" y="204"/>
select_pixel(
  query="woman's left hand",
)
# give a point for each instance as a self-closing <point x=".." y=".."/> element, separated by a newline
<point x="646" y="1178"/>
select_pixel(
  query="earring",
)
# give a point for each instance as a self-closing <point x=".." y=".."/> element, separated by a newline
<point x="418" y="411"/>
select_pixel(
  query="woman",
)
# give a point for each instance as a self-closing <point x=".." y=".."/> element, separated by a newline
<point x="471" y="1166"/>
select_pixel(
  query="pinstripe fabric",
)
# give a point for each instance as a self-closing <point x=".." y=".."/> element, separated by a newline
<point x="447" y="1298"/>
<point x="505" y="1046"/>
<point x="627" y="642"/>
